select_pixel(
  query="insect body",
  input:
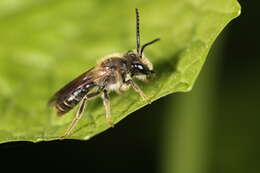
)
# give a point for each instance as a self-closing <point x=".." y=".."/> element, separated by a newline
<point x="113" y="73"/>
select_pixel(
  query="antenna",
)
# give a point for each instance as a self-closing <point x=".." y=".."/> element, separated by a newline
<point x="146" y="44"/>
<point x="137" y="32"/>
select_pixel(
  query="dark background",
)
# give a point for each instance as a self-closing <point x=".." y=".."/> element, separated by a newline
<point x="231" y="137"/>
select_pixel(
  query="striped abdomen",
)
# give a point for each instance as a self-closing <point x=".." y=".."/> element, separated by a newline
<point x="72" y="100"/>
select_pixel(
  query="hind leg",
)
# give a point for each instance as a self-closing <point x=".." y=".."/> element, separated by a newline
<point x="80" y="112"/>
<point x="78" y="116"/>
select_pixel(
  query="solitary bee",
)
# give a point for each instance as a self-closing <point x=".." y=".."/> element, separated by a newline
<point x="113" y="73"/>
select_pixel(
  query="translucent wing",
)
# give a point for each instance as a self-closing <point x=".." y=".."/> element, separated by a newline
<point x="89" y="77"/>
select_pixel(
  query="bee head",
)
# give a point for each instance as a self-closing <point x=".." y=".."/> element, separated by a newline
<point x="140" y="66"/>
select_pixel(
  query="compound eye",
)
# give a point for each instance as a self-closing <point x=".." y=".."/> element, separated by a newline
<point x="140" y="67"/>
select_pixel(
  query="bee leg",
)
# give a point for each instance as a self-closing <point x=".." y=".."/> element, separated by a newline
<point x="78" y="116"/>
<point x="118" y="77"/>
<point x="106" y="103"/>
<point x="138" y="90"/>
<point x="80" y="111"/>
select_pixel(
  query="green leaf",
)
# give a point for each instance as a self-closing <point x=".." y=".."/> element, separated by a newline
<point x="45" y="44"/>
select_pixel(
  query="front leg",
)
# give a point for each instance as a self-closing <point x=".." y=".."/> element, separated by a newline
<point x="138" y="90"/>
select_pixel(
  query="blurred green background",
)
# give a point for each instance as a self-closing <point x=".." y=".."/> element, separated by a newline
<point x="212" y="129"/>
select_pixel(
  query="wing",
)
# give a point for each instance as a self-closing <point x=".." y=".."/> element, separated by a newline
<point x="90" y="76"/>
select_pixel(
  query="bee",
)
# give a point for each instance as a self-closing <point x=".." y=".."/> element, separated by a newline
<point x="114" y="72"/>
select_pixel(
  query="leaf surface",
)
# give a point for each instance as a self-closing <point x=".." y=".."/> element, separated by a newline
<point x="45" y="44"/>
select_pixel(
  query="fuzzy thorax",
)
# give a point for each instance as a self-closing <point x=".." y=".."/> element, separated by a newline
<point x="113" y="55"/>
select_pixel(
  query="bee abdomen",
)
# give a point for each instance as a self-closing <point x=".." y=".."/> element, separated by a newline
<point x="63" y="108"/>
<point x="71" y="101"/>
